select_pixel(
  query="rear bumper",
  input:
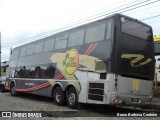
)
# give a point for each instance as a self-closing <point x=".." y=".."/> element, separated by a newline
<point x="131" y="99"/>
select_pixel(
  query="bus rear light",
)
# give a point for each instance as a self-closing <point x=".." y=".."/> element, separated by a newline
<point x="116" y="80"/>
<point x="117" y="101"/>
<point x="115" y="84"/>
<point x="147" y="102"/>
<point x="116" y="77"/>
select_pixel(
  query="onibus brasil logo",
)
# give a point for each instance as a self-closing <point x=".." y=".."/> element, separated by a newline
<point x="71" y="61"/>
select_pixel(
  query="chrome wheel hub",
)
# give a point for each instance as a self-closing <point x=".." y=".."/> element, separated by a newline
<point x="72" y="98"/>
<point x="58" y="96"/>
<point x="13" y="90"/>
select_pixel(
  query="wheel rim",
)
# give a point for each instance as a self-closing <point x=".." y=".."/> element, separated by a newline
<point x="72" y="98"/>
<point x="58" y="96"/>
<point x="13" y="90"/>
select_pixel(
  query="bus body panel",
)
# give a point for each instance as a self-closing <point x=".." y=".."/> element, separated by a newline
<point x="134" y="86"/>
<point x="125" y="90"/>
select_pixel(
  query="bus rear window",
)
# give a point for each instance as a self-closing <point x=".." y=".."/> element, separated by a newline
<point x="136" y="29"/>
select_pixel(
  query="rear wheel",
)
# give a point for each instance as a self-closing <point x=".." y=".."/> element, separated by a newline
<point x="59" y="96"/>
<point x="13" y="90"/>
<point x="72" y="99"/>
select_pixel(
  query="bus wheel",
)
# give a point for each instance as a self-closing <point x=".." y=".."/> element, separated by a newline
<point x="13" y="90"/>
<point x="72" y="99"/>
<point x="59" y="96"/>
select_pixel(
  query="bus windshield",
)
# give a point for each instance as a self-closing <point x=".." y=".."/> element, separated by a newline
<point x="135" y="29"/>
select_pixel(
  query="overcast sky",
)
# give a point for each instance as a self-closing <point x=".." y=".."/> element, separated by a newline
<point x="20" y="20"/>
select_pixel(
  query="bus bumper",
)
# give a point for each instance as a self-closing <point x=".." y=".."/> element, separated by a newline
<point x="129" y="99"/>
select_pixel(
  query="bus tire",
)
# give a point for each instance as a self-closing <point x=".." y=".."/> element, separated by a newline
<point x="59" y="96"/>
<point x="72" y="99"/>
<point x="13" y="90"/>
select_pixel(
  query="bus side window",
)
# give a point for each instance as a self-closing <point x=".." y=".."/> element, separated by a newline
<point x="47" y="71"/>
<point x="50" y="71"/>
<point x="15" y="53"/>
<point x="38" y="48"/>
<point x="41" y="71"/>
<point x="37" y="72"/>
<point x="20" y="72"/>
<point x="48" y="45"/>
<point x="109" y="30"/>
<point x="22" y="52"/>
<point x="30" y="49"/>
<point x="95" y="33"/>
<point x="76" y="38"/>
<point x="29" y="72"/>
<point x="61" y="41"/>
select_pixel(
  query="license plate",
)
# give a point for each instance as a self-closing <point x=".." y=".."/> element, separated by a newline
<point x="135" y="99"/>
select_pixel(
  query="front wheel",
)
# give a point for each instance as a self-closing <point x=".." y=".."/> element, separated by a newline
<point x="72" y="99"/>
<point x="13" y="90"/>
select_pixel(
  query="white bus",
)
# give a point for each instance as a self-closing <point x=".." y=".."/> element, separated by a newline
<point x="108" y="61"/>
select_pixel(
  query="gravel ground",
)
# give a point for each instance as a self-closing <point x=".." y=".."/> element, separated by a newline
<point x="26" y="102"/>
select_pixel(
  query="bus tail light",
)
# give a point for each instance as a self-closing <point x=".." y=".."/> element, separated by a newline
<point x="147" y="102"/>
<point x="118" y="101"/>
<point x="116" y="79"/>
<point x="116" y="82"/>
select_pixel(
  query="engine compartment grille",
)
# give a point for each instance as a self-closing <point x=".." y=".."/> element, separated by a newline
<point x="96" y="91"/>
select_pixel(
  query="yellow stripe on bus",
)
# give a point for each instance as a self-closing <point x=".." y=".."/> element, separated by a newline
<point x="135" y="85"/>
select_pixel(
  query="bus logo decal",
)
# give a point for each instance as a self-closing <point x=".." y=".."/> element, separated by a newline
<point x="135" y="59"/>
<point x="71" y="61"/>
<point x="135" y="85"/>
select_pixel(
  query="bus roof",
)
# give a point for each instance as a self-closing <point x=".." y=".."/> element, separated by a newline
<point x="157" y="38"/>
<point x="78" y="26"/>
